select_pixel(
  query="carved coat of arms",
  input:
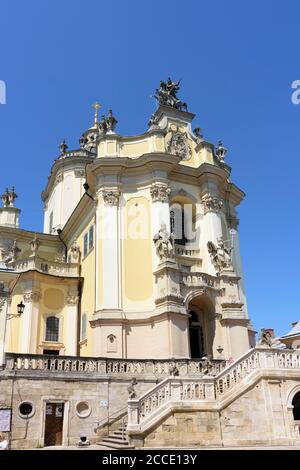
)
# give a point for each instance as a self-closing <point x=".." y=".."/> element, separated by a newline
<point x="178" y="145"/>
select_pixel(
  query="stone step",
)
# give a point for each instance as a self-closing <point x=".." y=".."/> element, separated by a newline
<point x="112" y="445"/>
<point x="115" y="439"/>
<point x="120" y="437"/>
<point x="120" y="432"/>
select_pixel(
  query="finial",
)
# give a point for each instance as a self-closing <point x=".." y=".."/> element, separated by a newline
<point x="63" y="147"/>
<point x="96" y="107"/>
<point x="221" y="152"/>
<point x="12" y="196"/>
<point x="5" y="198"/>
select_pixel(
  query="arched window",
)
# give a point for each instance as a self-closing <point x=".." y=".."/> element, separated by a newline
<point x="196" y="336"/>
<point x="296" y="405"/>
<point x="177" y="224"/>
<point x="52" y="329"/>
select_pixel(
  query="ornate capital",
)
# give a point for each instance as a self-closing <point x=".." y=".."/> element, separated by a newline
<point x="211" y="203"/>
<point x="33" y="296"/>
<point x="72" y="299"/>
<point x="110" y="197"/>
<point x="160" y="192"/>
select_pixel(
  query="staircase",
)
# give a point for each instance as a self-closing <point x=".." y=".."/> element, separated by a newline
<point x="117" y="439"/>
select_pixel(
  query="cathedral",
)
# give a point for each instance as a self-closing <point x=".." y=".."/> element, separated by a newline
<point x="125" y="321"/>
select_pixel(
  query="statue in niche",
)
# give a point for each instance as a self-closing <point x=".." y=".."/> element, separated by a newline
<point x="220" y="255"/>
<point x="164" y="243"/>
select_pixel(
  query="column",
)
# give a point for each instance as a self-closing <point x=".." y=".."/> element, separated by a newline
<point x="160" y="206"/>
<point x="3" y="322"/>
<point x="29" y="322"/>
<point x="212" y="226"/>
<point x="110" y="232"/>
<point x="72" y="323"/>
<point x="236" y="259"/>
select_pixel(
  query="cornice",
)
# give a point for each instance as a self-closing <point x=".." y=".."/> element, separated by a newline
<point x="27" y="235"/>
<point x="131" y="138"/>
<point x="64" y="163"/>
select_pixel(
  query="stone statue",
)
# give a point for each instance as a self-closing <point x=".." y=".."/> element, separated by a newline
<point x="63" y="148"/>
<point x="265" y="338"/>
<point x="153" y="121"/>
<point x="207" y="365"/>
<point x="111" y="121"/>
<point x="82" y="141"/>
<point x="34" y="245"/>
<point x="103" y="124"/>
<point x="11" y="254"/>
<point x="221" y="152"/>
<point x="220" y="255"/>
<point x="131" y="390"/>
<point x="173" y="369"/>
<point x="75" y="253"/>
<point x="166" y="95"/>
<point x="164" y="243"/>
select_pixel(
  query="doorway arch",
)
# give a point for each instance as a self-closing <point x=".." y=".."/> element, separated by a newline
<point x="196" y="336"/>
<point x="296" y="406"/>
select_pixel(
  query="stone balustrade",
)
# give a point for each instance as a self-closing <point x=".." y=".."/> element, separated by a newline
<point x="171" y="389"/>
<point x="89" y="365"/>
<point x="56" y="268"/>
<point x="199" y="279"/>
<point x="207" y="387"/>
<point x="186" y="252"/>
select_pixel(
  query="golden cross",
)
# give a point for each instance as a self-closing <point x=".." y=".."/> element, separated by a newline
<point x="96" y="107"/>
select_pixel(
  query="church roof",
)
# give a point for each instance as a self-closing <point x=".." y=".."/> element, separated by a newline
<point x="294" y="331"/>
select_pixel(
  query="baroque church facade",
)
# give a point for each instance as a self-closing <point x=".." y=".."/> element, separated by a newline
<point x="134" y="289"/>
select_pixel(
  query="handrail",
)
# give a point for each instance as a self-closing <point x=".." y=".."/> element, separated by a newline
<point x="209" y="387"/>
<point x="107" y="419"/>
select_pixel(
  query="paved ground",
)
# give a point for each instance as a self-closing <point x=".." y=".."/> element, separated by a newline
<point x="97" y="447"/>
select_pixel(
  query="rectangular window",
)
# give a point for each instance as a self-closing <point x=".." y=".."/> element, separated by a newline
<point x="85" y="244"/>
<point x="52" y="329"/>
<point x="88" y="241"/>
<point x="91" y="237"/>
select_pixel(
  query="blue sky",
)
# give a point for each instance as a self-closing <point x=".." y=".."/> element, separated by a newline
<point x="237" y="60"/>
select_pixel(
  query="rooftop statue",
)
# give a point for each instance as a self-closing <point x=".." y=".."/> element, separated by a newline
<point x="166" y="95"/>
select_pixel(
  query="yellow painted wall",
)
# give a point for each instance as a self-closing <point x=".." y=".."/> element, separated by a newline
<point x="137" y="252"/>
<point x="53" y="301"/>
<point x="129" y="149"/>
<point x="88" y="289"/>
<point x="14" y="324"/>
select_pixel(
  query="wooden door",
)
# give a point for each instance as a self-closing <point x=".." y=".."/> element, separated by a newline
<point x="54" y="424"/>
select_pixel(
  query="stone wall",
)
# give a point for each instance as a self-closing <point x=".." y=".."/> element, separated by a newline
<point x="259" y="416"/>
<point x="29" y="433"/>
